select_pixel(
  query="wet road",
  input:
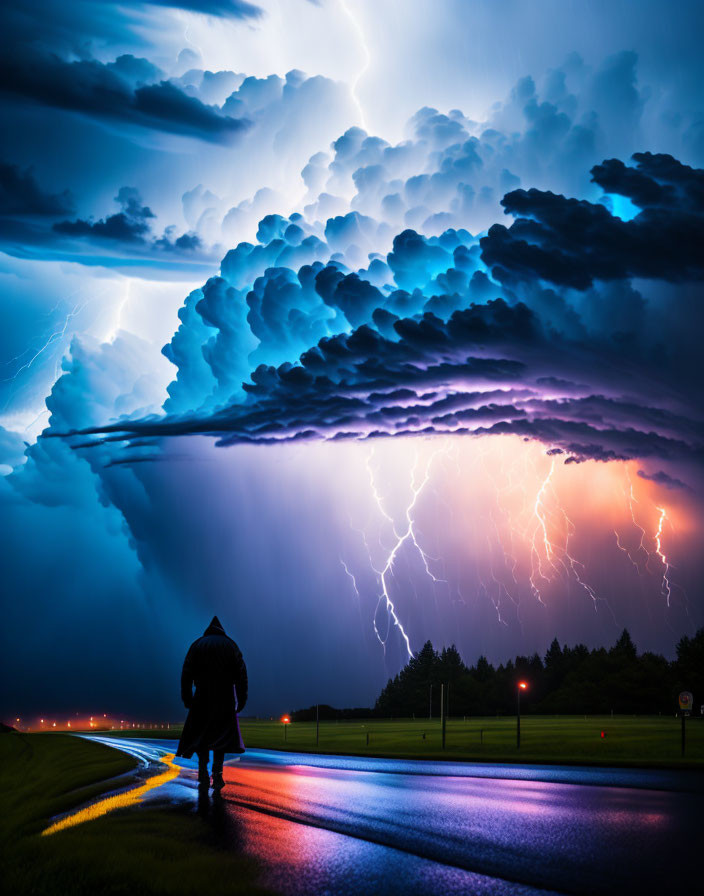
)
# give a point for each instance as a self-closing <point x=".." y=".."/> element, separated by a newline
<point x="344" y="825"/>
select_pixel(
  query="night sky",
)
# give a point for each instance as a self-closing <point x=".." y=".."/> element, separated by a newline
<point x="356" y="323"/>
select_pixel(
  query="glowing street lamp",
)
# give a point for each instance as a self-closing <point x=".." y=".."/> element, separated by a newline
<point x="285" y="721"/>
<point x="522" y="686"/>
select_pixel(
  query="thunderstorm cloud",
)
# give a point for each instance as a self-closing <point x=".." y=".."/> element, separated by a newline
<point x="280" y="280"/>
<point x="523" y="362"/>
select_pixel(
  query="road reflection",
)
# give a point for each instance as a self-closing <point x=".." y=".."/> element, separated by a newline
<point x="319" y="825"/>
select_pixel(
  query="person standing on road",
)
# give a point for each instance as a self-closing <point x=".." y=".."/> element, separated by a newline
<point x="214" y="664"/>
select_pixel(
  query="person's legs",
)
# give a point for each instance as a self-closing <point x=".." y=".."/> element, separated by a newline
<point x="218" y="759"/>
<point x="203" y="776"/>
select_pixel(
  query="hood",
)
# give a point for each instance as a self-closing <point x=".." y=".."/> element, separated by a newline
<point x="215" y="628"/>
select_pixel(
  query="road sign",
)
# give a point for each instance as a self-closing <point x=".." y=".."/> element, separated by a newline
<point x="686" y="701"/>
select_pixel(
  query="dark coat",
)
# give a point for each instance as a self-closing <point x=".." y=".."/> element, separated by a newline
<point x="214" y="664"/>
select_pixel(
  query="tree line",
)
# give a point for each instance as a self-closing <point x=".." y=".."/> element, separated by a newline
<point x="566" y="680"/>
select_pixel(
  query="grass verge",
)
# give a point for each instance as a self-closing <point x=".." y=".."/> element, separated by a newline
<point x="134" y="851"/>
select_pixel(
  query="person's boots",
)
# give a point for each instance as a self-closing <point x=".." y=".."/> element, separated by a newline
<point x="203" y="776"/>
<point x="218" y="781"/>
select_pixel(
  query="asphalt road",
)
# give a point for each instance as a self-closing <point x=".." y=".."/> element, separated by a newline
<point x="336" y="825"/>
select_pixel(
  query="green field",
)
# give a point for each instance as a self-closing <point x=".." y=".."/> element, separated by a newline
<point x="645" y="741"/>
<point x="143" y="850"/>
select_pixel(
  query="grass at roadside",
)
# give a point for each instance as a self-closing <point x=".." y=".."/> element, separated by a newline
<point x="140" y="850"/>
<point x="645" y="741"/>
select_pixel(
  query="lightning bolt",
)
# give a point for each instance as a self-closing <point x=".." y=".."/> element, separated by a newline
<point x="375" y="493"/>
<point x="626" y="551"/>
<point x="402" y="534"/>
<point x="527" y="535"/>
<point x="410" y="529"/>
<point x="666" y="583"/>
<point x="387" y="569"/>
<point x="56" y="336"/>
<point x="359" y="31"/>
<point x="574" y="564"/>
<point x="541" y="526"/>
<point x="666" y="590"/>
<point x="117" y="323"/>
<point x="631" y="501"/>
<point x="351" y="577"/>
<point x="554" y="554"/>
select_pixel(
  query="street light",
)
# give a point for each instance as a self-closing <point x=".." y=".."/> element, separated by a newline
<point x="522" y="685"/>
<point x="286" y="721"/>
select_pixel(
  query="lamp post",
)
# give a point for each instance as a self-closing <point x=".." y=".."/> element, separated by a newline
<point x="285" y="721"/>
<point x="522" y="685"/>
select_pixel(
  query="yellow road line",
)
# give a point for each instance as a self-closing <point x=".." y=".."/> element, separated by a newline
<point x="118" y="801"/>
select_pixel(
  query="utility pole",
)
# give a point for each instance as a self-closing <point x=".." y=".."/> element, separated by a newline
<point x="442" y="713"/>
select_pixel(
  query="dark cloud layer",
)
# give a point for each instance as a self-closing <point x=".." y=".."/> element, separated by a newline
<point x="131" y="225"/>
<point x="48" y="59"/>
<point x="662" y="478"/>
<point x="26" y="213"/>
<point x="21" y="195"/>
<point x="236" y="9"/>
<point x="572" y="242"/>
<point x="94" y="89"/>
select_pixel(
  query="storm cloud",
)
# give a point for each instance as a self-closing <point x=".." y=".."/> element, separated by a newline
<point x="21" y="195"/>
<point x="572" y="242"/>
<point x="411" y="360"/>
<point x="244" y="370"/>
<point x="94" y="89"/>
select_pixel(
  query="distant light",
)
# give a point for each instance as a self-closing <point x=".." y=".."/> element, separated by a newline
<point x="286" y="720"/>
<point x="522" y="685"/>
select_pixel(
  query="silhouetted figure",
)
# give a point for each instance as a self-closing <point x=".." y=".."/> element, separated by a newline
<point x="214" y="664"/>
